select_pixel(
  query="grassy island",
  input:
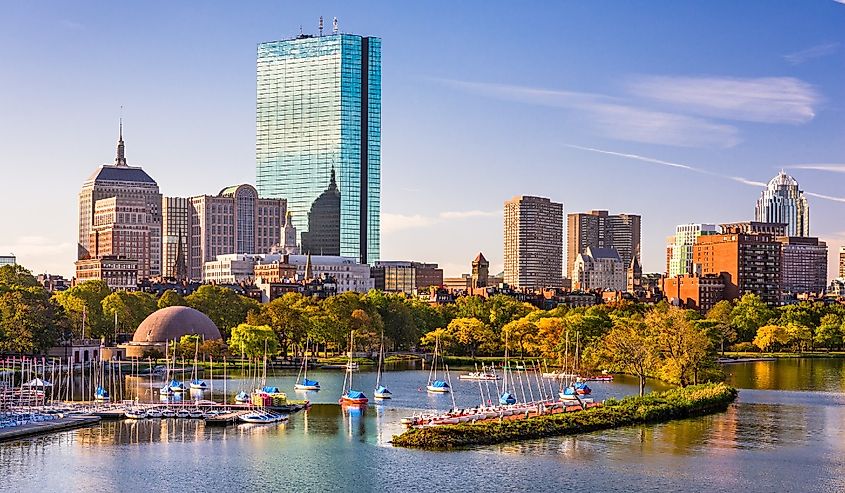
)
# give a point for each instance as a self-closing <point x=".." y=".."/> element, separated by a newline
<point x="655" y="407"/>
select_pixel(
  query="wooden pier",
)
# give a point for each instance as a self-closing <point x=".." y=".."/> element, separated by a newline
<point x="52" y="426"/>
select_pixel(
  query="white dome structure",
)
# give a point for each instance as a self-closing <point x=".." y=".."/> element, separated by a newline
<point x="783" y="202"/>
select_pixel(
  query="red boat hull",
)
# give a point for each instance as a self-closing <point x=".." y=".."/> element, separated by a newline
<point x="353" y="402"/>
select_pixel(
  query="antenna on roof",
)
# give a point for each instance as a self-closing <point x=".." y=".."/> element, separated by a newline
<point x="334" y="26"/>
<point x="300" y="29"/>
<point x="321" y="26"/>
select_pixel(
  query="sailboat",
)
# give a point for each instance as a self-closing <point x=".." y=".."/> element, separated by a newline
<point x="506" y="398"/>
<point x="350" y="396"/>
<point x="305" y="384"/>
<point x="101" y="394"/>
<point x="381" y="391"/>
<point x="434" y="385"/>
<point x="196" y="383"/>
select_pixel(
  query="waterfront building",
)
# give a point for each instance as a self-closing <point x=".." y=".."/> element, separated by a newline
<point x="599" y="269"/>
<point x="174" y="238"/>
<point x="169" y="324"/>
<point x="411" y="278"/>
<point x="694" y="292"/>
<point x="679" y="250"/>
<point x="8" y="260"/>
<point x="119" y="273"/>
<point x="533" y="242"/>
<point x="803" y="265"/>
<point x="124" y="182"/>
<point x="318" y="112"/>
<point x="599" y="229"/>
<point x="783" y="202"/>
<point x="235" y="220"/>
<point x="748" y="257"/>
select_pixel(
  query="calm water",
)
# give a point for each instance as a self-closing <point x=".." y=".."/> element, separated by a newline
<point x="786" y="433"/>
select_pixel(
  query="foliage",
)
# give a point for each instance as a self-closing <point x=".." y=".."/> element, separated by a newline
<point x="131" y="309"/>
<point x="749" y="314"/>
<point x="771" y="337"/>
<point x="30" y="321"/>
<point x="830" y="332"/>
<point x="721" y="317"/>
<point x="627" y="348"/>
<point x="83" y="302"/>
<point x="471" y="333"/>
<point x="253" y="341"/>
<point x="652" y="408"/>
<point x="222" y="305"/>
<point x="171" y="298"/>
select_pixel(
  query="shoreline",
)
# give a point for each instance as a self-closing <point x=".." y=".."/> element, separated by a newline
<point x="655" y="407"/>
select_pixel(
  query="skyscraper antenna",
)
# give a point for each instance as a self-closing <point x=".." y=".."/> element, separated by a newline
<point x="321" y="26"/>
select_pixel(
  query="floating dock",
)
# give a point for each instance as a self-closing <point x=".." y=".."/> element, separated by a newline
<point x="52" y="426"/>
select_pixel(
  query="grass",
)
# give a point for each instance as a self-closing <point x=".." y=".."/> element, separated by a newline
<point x="655" y="407"/>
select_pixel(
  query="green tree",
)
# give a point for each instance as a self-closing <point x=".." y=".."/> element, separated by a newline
<point x="504" y="309"/>
<point x="29" y="321"/>
<point x="829" y="334"/>
<point x="471" y="333"/>
<point x="800" y="336"/>
<point x="749" y="314"/>
<point x="684" y="348"/>
<point x="446" y="338"/>
<point x="472" y="307"/>
<point x="629" y="348"/>
<point x="288" y="316"/>
<point x="254" y="341"/>
<point x="17" y="276"/>
<point x="171" y="298"/>
<point x="771" y="337"/>
<point x="213" y="348"/>
<point x="720" y="314"/>
<point x="84" y="302"/>
<point x="520" y="332"/>
<point x="223" y="306"/>
<point x="128" y="309"/>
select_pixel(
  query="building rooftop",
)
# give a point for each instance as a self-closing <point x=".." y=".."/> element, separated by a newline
<point x="174" y="322"/>
<point x="110" y="172"/>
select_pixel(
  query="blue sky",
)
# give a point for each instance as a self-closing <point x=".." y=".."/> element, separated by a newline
<point x="673" y="110"/>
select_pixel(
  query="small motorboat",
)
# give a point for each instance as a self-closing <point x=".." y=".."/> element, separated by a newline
<point x="438" y="387"/>
<point x="102" y="395"/>
<point x="165" y="391"/>
<point x="242" y="397"/>
<point x="154" y="413"/>
<point x="135" y="414"/>
<point x="579" y="388"/>
<point x="198" y="385"/>
<point x="353" y="398"/>
<point x="168" y="413"/>
<point x="262" y="417"/>
<point x="183" y="413"/>
<point x="480" y="375"/>
<point x="307" y="384"/>
<point x="381" y="392"/>
<point x="196" y="414"/>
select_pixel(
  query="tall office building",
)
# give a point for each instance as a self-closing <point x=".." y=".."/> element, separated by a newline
<point x="842" y="262"/>
<point x="803" y="265"/>
<point x="679" y="256"/>
<point x="124" y="182"/>
<point x="533" y="235"/>
<point x="174" y="237"/>
<point x="598" y="229"/>
<point x="318" y="114"/>
<point x="235" y="221"/>
<point x="121" y="229"/>
<point x="783" y="202"/>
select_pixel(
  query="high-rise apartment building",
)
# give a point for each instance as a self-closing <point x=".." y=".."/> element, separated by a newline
<point x="234" y="221"/>
<point x="803" y="265"/>
<point x="123" y="182"/>
<point x="533" y="242"/>
<point x="598" y="229"/>
<point x="679" y="250"/>
<point x="174" y="237"/>
<point x="318" y="113"/>
<point x="748" y="258"/>
<point x="842" y="262"/>
<point x="783" y="202"/>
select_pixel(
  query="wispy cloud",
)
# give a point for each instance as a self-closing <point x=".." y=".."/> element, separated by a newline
<point x="695" y="169"/>
<point x="764" y="100"/>
<point x="817" y="51"/>
<point x="613" y="117"/>
<point x="834" y="168"/>
<point x="391" y="223"/>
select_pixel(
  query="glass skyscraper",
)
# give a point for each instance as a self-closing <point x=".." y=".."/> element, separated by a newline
<point x="318" y="120"/>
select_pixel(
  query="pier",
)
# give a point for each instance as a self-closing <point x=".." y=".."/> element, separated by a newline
<point x="58" y="424"/>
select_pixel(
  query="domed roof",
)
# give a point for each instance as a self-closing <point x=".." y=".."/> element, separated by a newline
<point x="782" y="180"/>
<point x="174" y="322"/>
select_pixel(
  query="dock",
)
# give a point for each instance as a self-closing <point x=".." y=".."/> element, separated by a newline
<point x="225" y="419"/>
<point x="52" y="426"/>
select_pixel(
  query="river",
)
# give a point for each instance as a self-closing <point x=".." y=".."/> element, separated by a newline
<point x="785" y="433"/>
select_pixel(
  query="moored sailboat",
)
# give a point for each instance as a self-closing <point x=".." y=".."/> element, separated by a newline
<point x="381" y="391"/>
<point x="305" y="383"/>
<point x="434" y="385"/>
<point x="350" y="396"/>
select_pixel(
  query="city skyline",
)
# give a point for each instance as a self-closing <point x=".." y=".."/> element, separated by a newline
<point x="439" y="138"/>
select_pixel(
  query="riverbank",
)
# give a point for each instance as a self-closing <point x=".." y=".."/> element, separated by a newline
<point x="656" y="407"/>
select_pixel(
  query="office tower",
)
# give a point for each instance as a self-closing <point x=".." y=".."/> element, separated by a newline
<point x="783" y="202"/>
<point x="411" y="278"/>
<point x="599" y="229"/>
<point x="680" y="248"/>
<point x="234" y="221"/>
<point x="803" y="265"/>
<point x="8" y="260"/>
<point x="748" y="258"/>
<point x="599" y="269"/>
<point x="174" y="238"/>
<point x="124" y="182"/>
<point x="533" y="242"/>
<point x="120" y="230"/>
<point x="318" y="114"/>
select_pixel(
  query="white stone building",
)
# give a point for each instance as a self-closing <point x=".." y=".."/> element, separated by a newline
<point x="599" y="268"/>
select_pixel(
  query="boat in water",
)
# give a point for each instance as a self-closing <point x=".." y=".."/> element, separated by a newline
<point x="381" y="392"/>
<point x="176" y="386"/>
<point x="135" y="414"/>
<point x="154" y="413"/>
<point x="305" y="383"/>
<point x="242" y="397"/>
<point x="198" y="385"/>
<point x="350" y="396"/>
<point x="101" y="395"/>
<point x="262" y="417"/>
<point x="482" y="375"/>
<point x="438" y="387"/>
<point x="435" y="385"/>
<point x="578" y="388"/>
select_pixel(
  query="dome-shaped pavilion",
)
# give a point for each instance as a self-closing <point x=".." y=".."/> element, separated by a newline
<point x="174" y="322"/>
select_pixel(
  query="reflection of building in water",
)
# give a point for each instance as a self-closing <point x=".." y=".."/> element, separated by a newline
<point x="323" y="235"/>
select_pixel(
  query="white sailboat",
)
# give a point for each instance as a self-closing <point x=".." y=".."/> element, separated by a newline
<point x="434" y="385"/>
<point x="381" y="391"/>
<point x="305" y="384"/>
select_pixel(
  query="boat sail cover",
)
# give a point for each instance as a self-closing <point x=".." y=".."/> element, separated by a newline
<point x="37" y="382"/>
<point x="355" y="394"/>
<point x="101" y="392"/>
<point x="507" y="398"/>
<point x="310" y="383"/>
<point x="382" y="390"/>
<point x="440" y="384"/>
<point x="270" y="390"/>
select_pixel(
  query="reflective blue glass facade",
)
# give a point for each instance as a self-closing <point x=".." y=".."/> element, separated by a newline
<point x="319" y="108"/>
